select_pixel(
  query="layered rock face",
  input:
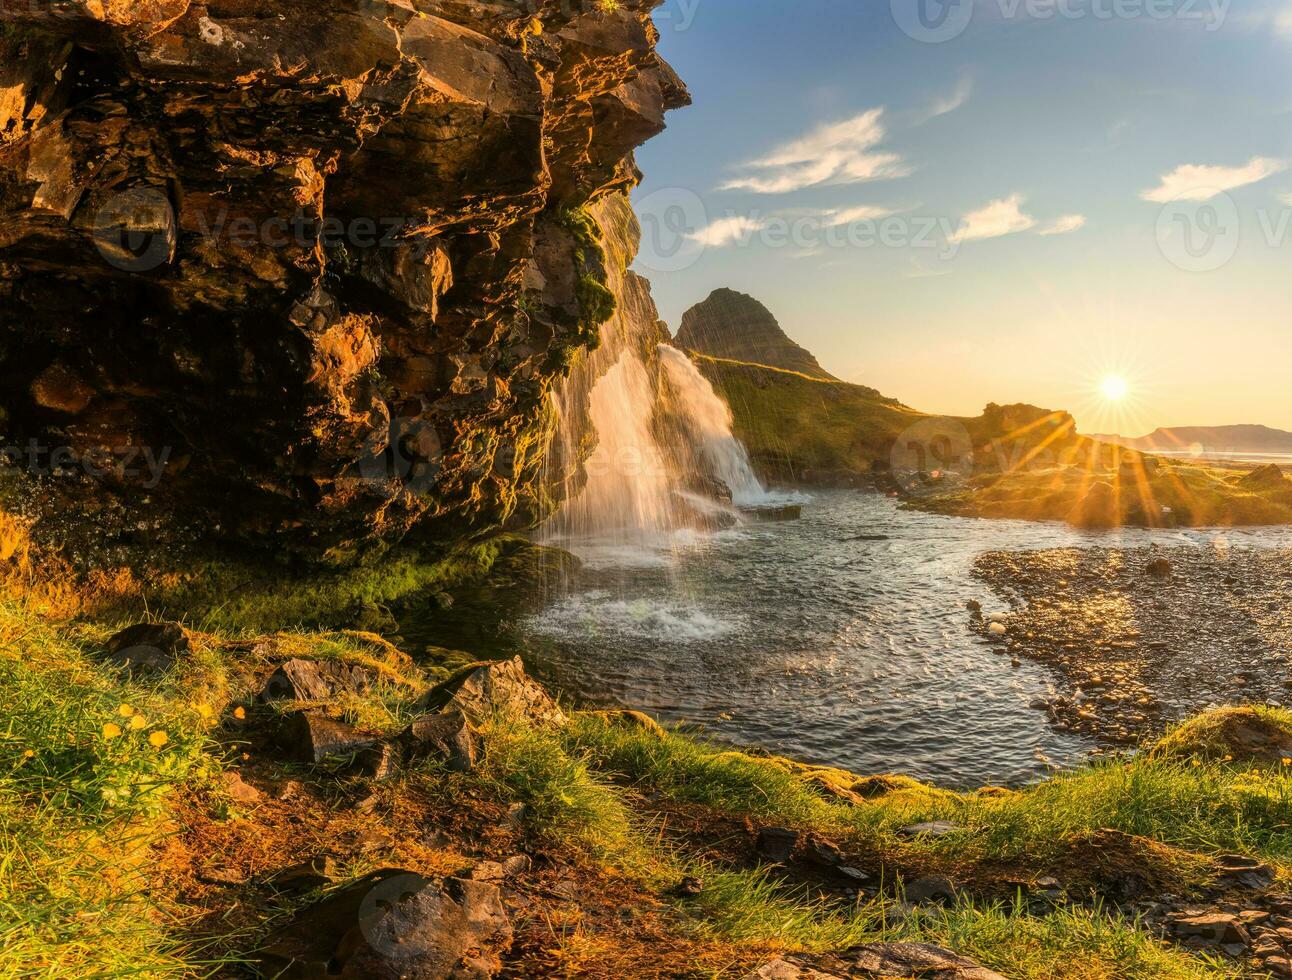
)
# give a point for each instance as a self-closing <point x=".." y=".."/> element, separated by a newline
<point x="321" y="264"/>
<point x="734" y="326"/>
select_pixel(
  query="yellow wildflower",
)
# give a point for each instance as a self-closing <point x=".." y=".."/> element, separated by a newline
<point x="138" y="722"/>
<point x="1196" y="763"/>
<point x="240" y="712"/>
<point x="29" y="754"/>
<point x="111" y="731"/>
<point x="1287" y="762"/>
<point x="158" y="739"/>
<point x="1229" y="758"/>
<point x="125" y="711"/>
<point x="205" y="711"/>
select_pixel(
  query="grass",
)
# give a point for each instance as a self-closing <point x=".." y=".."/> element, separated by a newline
<point x="88" y="815"/>
<point x="79" y="809"/>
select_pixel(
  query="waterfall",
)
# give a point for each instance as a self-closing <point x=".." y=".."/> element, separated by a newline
<point x="665" y="457"/>
<point x="643" y="447"/>
<point x="708" y="420"/>
<point x="629" y="488"/>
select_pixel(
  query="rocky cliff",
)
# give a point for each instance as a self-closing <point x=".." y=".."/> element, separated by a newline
<point x="304" y="270"/>
<point x="737" y="327"/>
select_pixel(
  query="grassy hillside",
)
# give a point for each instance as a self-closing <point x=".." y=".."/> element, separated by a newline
<point x="1013" y="461"/>
<point x="804" y="429"/>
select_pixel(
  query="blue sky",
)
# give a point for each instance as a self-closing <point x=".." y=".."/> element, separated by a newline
<point x="1033" y="181"/>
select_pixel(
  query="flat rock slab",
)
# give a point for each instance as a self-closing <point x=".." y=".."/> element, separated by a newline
<point x="485" y="691"/>
<point x="314" y="680"/>
<point x="394" y="925"/>
<point x="907" y="961"/>
<point x="149" y="648"/>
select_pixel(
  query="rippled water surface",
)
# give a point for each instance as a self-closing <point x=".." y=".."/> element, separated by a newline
<point x="809" y="640"/>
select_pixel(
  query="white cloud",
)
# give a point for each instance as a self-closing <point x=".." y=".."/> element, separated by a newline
<point x="1286" y="199"/>
<point x="836" y="153"/>
<point x="1283" y="22"/>
<point x="727" y="231"/>
<point x="1003" y="217"/>
<point x="1196" y="182"/>
<point x="1062" y="226"/>
<point x="948" y="103"/>
<point x="847" y="216"/>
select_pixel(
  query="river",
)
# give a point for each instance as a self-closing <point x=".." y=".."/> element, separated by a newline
<point x="842" y="638"/>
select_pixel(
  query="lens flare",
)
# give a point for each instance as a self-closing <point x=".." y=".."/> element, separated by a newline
<point x="1114" y="388"/>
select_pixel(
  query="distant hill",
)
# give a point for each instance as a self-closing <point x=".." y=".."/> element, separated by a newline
<point x="1012" y="461"/>
<point x="1211" y="439"/>
<point x="733" y="326"/>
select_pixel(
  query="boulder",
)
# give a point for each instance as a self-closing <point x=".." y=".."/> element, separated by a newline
<point x="311" y="737"/>
<point x="488" y="690"/>
<point x="445" y="737"/>
<point x="149" y="648"/>
<point x="776" y="844"/>
<point x="314" y="680"/>
<point x="877" y="960"/>
<point x="934" y="888"/>
<point x="394" y="925"/>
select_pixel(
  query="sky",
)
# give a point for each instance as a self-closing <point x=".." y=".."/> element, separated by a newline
<point x="996" y="200"/>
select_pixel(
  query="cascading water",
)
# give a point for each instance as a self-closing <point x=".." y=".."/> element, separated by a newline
<point x="658" y="455"/>
<point x="629" y="488"/>
<point x="665" y="460"/>
<point x="708" y="419"/>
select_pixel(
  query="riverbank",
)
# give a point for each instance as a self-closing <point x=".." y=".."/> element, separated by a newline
<point x="215" y="796"/>
<point x="1141" y="638"/>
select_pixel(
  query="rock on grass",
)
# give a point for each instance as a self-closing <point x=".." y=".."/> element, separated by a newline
<point x="394" y="925"/>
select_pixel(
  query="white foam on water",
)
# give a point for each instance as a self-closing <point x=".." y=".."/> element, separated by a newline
<point x="599" y="613"/>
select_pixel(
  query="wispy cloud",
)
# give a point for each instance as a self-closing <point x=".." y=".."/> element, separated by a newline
<point x="847" y="216"/>
<point x="999" y="218"/>
<point x="948" y="103"/>
<point x="1197" y="182"/>
<point x="727" y="231"/>
<point x="1063" y="225"/>
<point x="836" y="153"/>
<point x="1286" y="198"/>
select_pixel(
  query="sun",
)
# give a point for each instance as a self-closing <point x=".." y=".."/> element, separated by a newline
<point x="1114" y="388"/>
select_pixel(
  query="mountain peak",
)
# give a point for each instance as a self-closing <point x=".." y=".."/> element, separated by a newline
<point x="734" y="325"/>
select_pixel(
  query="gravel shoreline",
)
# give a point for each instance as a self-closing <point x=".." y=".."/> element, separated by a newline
<point x="1140" y="638"/>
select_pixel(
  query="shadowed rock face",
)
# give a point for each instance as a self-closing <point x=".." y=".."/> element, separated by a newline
<point x="323" y="261"/>
<point x="732" y="325"/>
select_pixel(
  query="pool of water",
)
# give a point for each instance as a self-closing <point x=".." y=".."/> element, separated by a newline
<point x="842" y="638"/>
